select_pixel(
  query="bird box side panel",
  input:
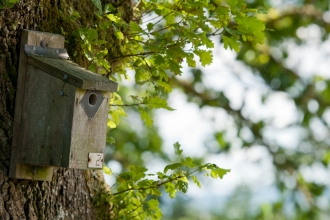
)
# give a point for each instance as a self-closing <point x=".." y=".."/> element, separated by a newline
<point x="88" y="135"/>
<point x="32" y="38"/>
<point x="46" y="120"/>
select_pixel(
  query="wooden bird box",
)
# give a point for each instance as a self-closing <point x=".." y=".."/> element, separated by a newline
<point x="61" y="110"/>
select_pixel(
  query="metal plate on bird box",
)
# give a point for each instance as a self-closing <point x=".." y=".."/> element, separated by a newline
<point x="95" y="160"/>
<point x="44" y="51"/>
<point x="91" y="102"/>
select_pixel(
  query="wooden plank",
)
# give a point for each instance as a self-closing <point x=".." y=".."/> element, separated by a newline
<point x="40" y="173"/>
<point x="76" y="75"/>
<point x="17" y="170"/>
<point x="88" y="135"/>
<point x="47" y="120"/>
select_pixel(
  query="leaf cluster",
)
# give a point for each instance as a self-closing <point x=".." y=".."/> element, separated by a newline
<point x="8" y="3"/>
<point x="154" y="44"/>
<point x="137" y="192"/>
<point x="160" y="37"/>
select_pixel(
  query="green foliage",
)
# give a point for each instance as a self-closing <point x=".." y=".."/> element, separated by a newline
<point x="8" y="3"/>
<point x="162" y="36"/>
<point x="154" y="44"/>
<point x="155" y="48"/>
<point x="137" y="192"/>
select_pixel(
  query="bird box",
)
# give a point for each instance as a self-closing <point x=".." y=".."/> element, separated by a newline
<point x="61" y="110"/>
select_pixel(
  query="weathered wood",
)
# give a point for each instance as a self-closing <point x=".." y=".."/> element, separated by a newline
<point x="27" y="171"/>
<point x="53" y="128"/>
<point x="76" y="75"/>
<point x="47" y="119"/>
<point x="56" y="130"/>
<point x="88" y="136"/>
<point x="31" y="38"/>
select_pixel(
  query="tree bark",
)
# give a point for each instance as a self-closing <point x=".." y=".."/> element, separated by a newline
<point x="72" y="193"/>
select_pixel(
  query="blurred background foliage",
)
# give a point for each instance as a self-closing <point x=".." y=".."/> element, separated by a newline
<point x="293" y="26"/>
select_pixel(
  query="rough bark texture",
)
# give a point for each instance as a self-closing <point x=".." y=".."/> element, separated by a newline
<point x="71" y="193"/>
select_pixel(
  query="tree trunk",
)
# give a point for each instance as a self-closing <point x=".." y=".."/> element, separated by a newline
<point x="71" y="194"/>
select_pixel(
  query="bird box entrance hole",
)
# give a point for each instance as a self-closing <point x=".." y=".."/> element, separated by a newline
<point x="61" y="111"/>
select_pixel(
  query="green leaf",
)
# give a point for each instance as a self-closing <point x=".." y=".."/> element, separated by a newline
<point x="252" y="27"/>
<point x="155" y="191"/>
<point x="110" y="140"/>
<point x="109" y="8"/>
<point x="98" y="5"/>
<point x="116" y="99"/>
<point x="119" y="35"/>
<point x="182" y="186"/>
<point x="166" y="87"/>
<point x="184" y="179"/>
<point x="146" y="183"/>
<point x="262" y="11"/>
<point x="232" y="43"/>
<point x="205" y="57"/>
<point x="138" y="172"/>
<point x="177" y="149"/>
<point x="141" y="75"/>
<point x="135" y="28"/>
<point x="153" y="206"/>
<point x="170" y="189"/>
<point x="189" y="162"/>
<point x="107" y="170"/>
<point x="91" y="34"/>
<point x="194" y="178"/>
<point x="114" y="18"/>
<point x="222" y="10"/>
<point x="116" y="113"/>
<point x="174" y="67"/>
<point x="176" y="53"/>
<point x="150" y="26"/>
<point x="173" y="166"/>
<point x="233" y="3"/>
<point x="219" y="172"/>
<point x="145" y="117"/>
<point x="190" y="60"/>
<point x="233" y="32"/>
<point x="158" y="60"/>
<point x="205" y="41"/>
<point x="111" y="124"/>
<point x="8" y="3"/>
<point x="157" y="102"/>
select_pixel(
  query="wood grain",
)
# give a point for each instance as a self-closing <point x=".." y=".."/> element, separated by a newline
<point x="51" y="127"/>
<point x="32" y="38"/>
<point x="77" y="75"/>
<point x="47" y="119"/>
<point x="88" y="136"/>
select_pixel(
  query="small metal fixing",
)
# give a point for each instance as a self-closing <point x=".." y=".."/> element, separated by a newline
<point x="61" y="93"/>
<point x="45" y="51"/>
<point x="34" y="170"/>
<point x="43" y="43"/>
<point x="65" y="76"/>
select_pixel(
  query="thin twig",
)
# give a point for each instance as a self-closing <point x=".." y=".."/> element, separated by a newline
<point x="128" y="105"/>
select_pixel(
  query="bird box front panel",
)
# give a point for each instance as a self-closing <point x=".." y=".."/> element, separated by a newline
<point x="88" y="133"/>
